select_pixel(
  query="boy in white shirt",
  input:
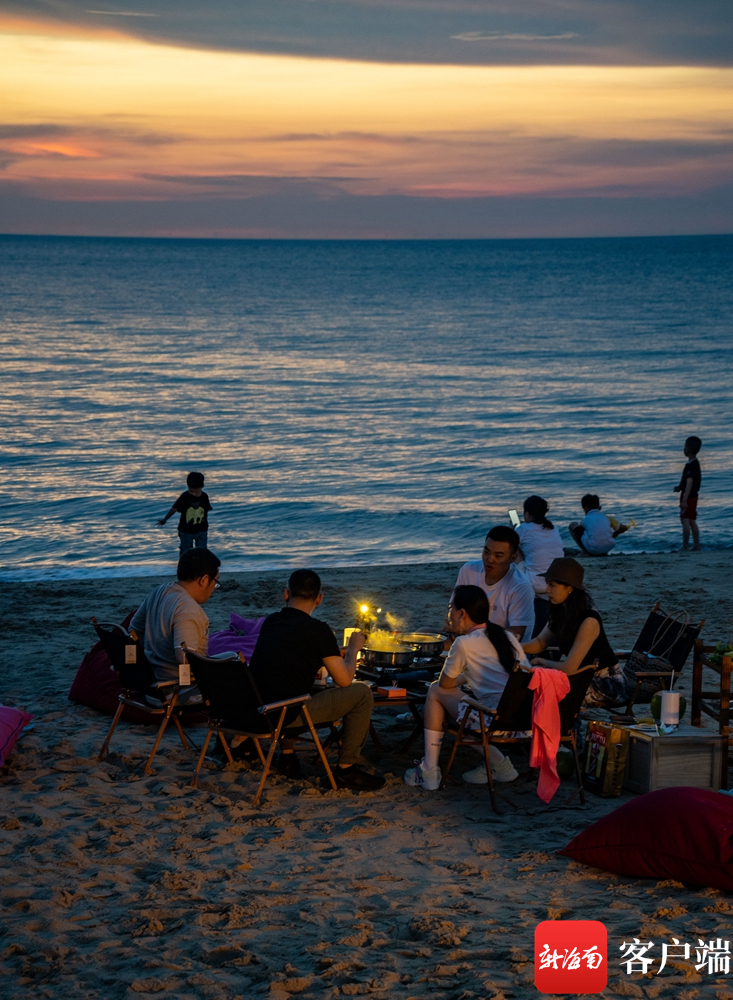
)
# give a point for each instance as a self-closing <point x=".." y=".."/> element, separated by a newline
<point x="482" y="655"/>
<point x="594" y="534"/>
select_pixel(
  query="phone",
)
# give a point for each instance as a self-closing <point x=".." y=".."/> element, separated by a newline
<point x="514" y="518"/>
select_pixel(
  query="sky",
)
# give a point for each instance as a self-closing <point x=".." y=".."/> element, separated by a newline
<point x="366" y="118"/>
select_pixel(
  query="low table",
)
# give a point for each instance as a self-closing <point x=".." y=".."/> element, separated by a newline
<point x="686" y="757"/>
<point x="412" y="701"/>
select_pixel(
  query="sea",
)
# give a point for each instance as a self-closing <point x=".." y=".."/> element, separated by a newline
<point x="354" y="402"/>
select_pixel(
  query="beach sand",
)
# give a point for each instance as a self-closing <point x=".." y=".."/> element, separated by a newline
<point x="115" y="885"/>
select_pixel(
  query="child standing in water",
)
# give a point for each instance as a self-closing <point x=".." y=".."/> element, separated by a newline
<point x="688" y="489"/>
<point x="193" y="506"/>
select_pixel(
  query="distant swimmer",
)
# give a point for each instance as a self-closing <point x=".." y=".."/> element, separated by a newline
<point x="194" y="507"/>
<point x="595" y="534"/>
<point x="689" y="489"/>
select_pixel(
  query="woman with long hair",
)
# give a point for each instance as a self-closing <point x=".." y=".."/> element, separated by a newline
<point x="575" y="627"/>
<point x="539" y="544"/>
<point x="482" y="656"/>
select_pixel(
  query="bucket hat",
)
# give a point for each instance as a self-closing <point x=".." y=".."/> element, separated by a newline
<point x="567" y="571"/>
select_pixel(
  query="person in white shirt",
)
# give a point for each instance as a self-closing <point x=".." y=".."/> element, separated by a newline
<point x="539" y="544"/>
<point x="482" y="656"/>
<point x="510" y="594"/>
<point x="594" y="534"/>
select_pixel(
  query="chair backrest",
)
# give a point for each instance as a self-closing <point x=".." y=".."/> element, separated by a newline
<point x="572" y="702"/>
<point x="673" y="640"/>
<point x="227" y="691"/>
<point x="126" y="655"/>
<point x="514" y="711"/>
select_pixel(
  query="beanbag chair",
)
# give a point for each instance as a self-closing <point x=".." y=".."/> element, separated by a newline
<point x="685" y="834"/>
<point x="240" y="637"/>
<point x="12" y="724"/>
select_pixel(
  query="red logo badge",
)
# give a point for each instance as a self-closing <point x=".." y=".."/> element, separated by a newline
<point x="570" y="956"/>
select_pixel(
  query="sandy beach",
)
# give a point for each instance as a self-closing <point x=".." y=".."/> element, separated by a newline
<point x="114" y="884"/>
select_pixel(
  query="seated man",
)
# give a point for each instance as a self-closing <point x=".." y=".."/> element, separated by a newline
<point x="595" y="534"/>
<point x="290" y="651"/>
<point x="510" y="593"/>
<point x="483" y="655"/>
<point x="172" y="614"/>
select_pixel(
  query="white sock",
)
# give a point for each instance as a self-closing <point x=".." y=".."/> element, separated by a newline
<point x="433" y="743"/>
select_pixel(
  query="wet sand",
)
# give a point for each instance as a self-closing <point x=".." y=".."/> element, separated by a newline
<point x="114" y="884"/>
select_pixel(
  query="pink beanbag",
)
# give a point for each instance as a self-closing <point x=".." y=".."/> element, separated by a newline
<point x="12" y="723"/>
<point x="684" y="834"/>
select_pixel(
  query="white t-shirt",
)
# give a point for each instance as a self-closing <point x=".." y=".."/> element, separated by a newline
<point x="167" y="617"/>
<point x="475" y="656"/>
<point x="597" y="534"/>
<point x="511" y="600"/>
<point x="540" y="546"/>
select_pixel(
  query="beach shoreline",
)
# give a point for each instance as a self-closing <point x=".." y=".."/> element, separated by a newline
<point x="115" y="885"/>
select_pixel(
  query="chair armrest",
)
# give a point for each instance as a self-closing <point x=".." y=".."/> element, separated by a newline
<point x="164" y="684"/>
<point x="655" y="673"/>
<point x="273" y="705"/>
<point x="477" y="704"/>
<point x="622" y="654"/>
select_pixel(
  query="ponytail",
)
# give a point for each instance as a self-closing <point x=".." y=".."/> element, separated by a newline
<point x="536" y="507"/>
<point x="503" y="646"/>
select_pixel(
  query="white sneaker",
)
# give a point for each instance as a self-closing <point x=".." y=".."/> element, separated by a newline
<point x="423" y="777"/>
<point x="505" y="771"/>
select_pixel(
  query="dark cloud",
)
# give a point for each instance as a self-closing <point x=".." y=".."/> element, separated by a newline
<point x="631" y="32"/>
<point x="33" y="131"/>
<point x="289" y="213"/>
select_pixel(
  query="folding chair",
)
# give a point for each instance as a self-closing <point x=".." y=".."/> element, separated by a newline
<point x="513" y="715"/>
<point x="715" y="703"/>
<point x="227" y="687"/>
<point x="662" y="636"/>
<point x="137" y="678"/>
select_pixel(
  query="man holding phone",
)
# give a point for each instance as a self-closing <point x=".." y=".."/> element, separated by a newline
<point x="510" y="594"/>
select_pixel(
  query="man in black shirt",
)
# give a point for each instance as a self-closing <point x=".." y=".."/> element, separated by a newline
<point x="290" y="651"/>
<point x="689" y="489"/>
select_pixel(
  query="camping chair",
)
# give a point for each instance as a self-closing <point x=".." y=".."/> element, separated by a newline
<point x="669" y="639"/>
<point x="136" y="676"/>
<point x="513" y="716"/>
<point x="705" y="701"/>
<point x="227" y="686"/>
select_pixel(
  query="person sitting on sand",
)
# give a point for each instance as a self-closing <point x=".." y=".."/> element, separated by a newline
<point x="539" y="544"/>
<point x="482" y="656"/>
<point x="172" y="614"/>
<point x="594" y="534"/>
<point x="291" y="649"/>
<point x="510" y="594"/>
<point x="575" y="627"/>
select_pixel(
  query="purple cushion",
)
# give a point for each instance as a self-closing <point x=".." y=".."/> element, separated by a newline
<point x="12" y="723"/>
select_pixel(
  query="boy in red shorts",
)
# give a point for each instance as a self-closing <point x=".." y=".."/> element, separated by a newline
<point x="689" y="488"/>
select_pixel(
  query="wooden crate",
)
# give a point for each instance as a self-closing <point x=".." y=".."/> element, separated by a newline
<point x="686" y="757"/>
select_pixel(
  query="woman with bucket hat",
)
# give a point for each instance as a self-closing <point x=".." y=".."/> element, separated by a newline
<point x="575" y="627"/>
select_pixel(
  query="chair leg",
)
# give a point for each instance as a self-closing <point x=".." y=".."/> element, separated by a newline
<point x="259" y="750"/>
<point x="204" y="748"/>
<point x="108" y="737"/>
<point x="179" y="727"/>
<point x="578" y="772"/>
<point x="456" y="743"/>
<point x="487" y="761"/>
<point x="164" y="723"/>
<point x="375" y="738"/>
<point x="321" y="754"/>
<point x="270" y="755"/>
<point x="224" y="743"/>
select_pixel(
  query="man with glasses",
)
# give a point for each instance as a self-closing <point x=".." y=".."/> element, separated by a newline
<point x="173" y="614"/>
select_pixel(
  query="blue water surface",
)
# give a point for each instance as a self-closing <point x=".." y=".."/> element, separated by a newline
<point x="353" y="402"/>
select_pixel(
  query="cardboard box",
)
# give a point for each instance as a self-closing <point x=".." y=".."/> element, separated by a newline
<point x="604" y="762"/>
<point x="392" y="692"/>
<point x="688" y="757"/>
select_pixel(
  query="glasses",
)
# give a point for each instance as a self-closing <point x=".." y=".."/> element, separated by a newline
<point x="216" y="583"/>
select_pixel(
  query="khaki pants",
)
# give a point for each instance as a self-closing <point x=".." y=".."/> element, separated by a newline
<point x="354" y="705"/>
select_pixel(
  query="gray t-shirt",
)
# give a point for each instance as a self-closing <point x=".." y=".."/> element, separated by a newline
<point x="167" y="617"/>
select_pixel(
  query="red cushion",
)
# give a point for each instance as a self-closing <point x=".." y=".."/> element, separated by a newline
<point x="684" y="834"/>
<point x="12" y="723"/>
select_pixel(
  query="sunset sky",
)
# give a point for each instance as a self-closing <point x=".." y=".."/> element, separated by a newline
<point x="360" y="118"/>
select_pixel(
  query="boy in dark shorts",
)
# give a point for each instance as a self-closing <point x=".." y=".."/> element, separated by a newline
<point x="688" y="489"/>
<point x="194" y="507"/>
